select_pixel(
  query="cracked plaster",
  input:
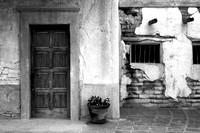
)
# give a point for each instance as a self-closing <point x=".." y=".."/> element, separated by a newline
<point x="99" y="52"/>
<point x="176" y="65"/>
<point x="9" y="51"/>
<point x="97" y="27"/>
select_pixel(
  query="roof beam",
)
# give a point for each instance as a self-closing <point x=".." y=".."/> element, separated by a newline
<point x="159" y="3"/>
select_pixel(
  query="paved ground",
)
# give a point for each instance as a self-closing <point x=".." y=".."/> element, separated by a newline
<point x="133" y="120"/>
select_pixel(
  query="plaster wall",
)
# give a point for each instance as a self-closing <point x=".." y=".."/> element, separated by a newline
<point x="9" y="63"/>
<point x="177" y="53"/>
<point x="97" y="26"/>
<point x="153" y="71"/>
<point x="99" y="53"/>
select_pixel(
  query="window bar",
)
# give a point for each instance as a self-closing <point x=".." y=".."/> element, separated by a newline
<point x="159" y="59"/>
<point x="149" y="53"/>
<point x="131" y="53"/>
<point x="135" y="54"/>
<point x="194" y="54"/>
<point x="144" y="52"/>
<point x="154" y="52"/>
<point x="196" y="49"/>
<point x="197" y="55"/>
<point x="140" y="53"/>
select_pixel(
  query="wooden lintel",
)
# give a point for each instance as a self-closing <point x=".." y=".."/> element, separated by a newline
<point x="147" y="39"/>
<point x="46" y="9"/>
<point x="144" y="42"/>
<point x="159" y="3"/>
<point x="194" y="40"/>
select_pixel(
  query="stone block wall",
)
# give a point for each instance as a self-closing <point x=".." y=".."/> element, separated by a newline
<point x="152" y="93"/>
<point x="9" y="102"/>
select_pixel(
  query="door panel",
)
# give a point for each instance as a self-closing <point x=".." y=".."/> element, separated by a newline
<point x="59" y="99"/>
<point x="58" y="80"/>
<point x="42" y="100"/>
<point x="41" y="80"/>
<point x="56" y="37"/>
<point x="42" y="39"/>
<point x="41" y="59"/>
<point x="50" y="71"/>
<point x="60" y="59"/>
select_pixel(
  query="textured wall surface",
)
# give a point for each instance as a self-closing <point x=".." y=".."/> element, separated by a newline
<point x="176" y="64"/>
<point x="99" y="55"/>
<point x="152" y="93"/>
<point x="9" y="61"/>
<point x="99" y="51"/>
<point x="9" y="97"/>
<point x="158" y="3"/>
<point x="177" y="57"/>
<point x="9" y="51"/>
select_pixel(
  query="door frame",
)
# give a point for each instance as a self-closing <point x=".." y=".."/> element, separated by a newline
<point x="50" y="29"/>
<point x="43" y="15"/>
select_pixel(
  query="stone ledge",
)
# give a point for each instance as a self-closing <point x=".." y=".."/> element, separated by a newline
<point x="158" y="3"/>
<point x="146" y="96"/>
<point x="137" y="84"/>
<point x="9" y="115"/>
<point x="9" y="101"/>
<point x="158" y="92"/>
<point x="160" y="88"/>
<point x="138" y="101"/>
<point x="195" y="104"/>
<point x="195" y="87"/>
<point x="132" y="96"/>
<point x="198" y="91"/>
<point x="47" y="9"/>
<point x="195" y="96"/>
<point x="193" y="83"/>
<point x="160" y="101"/>
<point x="151" y="93"/>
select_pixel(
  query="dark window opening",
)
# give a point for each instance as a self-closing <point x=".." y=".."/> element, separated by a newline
<point x="196" y="54"/>
<point x="145" y="53"/>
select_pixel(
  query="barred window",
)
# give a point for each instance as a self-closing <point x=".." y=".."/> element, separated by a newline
<point x="196" y="53"/>
<point x="145" y="53"/>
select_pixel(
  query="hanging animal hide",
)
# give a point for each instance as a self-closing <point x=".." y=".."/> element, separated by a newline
<point x="177" y="58"/>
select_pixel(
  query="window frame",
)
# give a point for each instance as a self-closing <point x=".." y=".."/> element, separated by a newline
<point x="130" y="43"/>
<point x="195" y="43"/>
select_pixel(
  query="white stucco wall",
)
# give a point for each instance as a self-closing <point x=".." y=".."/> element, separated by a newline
<point x="153" y="70"/>
<point x="98" y="46"/>
<point x="177" y="54"/>
<point x="9" y="51"/>
<point x="99" y="53"/>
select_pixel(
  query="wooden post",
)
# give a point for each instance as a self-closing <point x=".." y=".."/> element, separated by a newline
<point x="153" y="21"/>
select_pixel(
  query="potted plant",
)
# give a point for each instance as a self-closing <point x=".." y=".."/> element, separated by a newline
<point x="98" y="109"/>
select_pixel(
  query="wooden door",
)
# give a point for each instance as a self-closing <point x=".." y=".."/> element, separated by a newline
<point x="50" y="79"/>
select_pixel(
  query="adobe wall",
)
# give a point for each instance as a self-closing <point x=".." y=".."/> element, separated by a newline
<point x="175" y="80"/>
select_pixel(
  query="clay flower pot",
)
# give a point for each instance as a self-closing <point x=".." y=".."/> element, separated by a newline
<point x="98" y="109"/>
<point x="98" y="114"/>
